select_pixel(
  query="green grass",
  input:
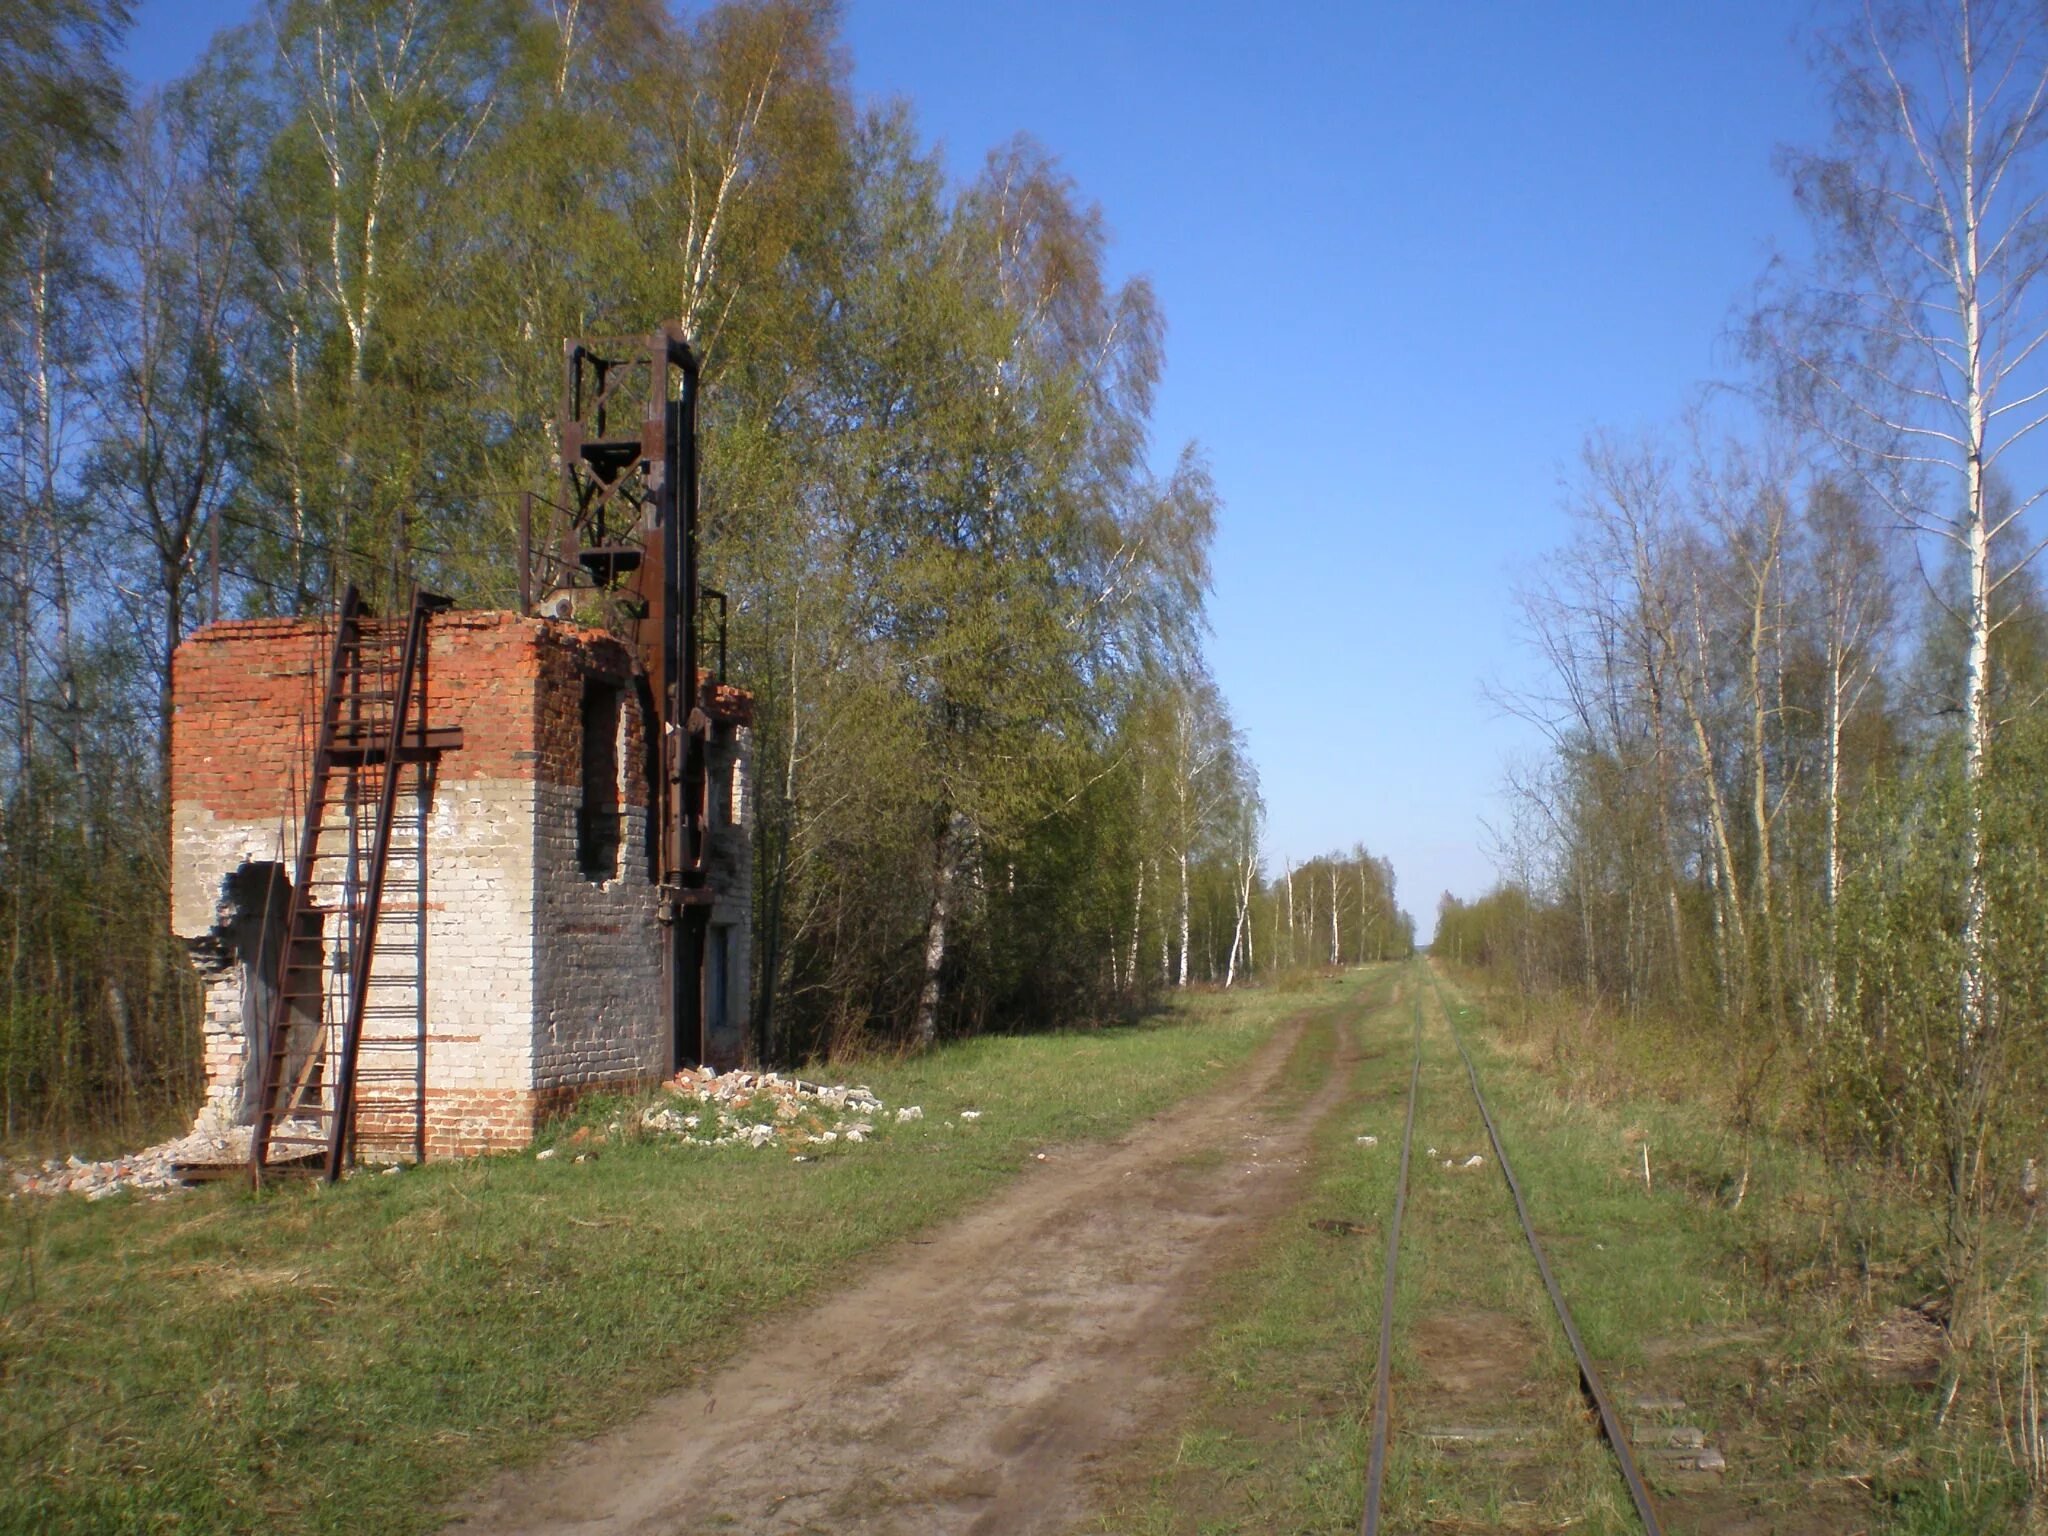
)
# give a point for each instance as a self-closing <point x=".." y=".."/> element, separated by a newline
<point x="1279" y="1388"/>
<point x="1744" y="1278"/>
<point x="347" y="1358"/>
<point x="1753" y="1312"/>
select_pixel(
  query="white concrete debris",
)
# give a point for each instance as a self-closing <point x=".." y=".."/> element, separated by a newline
<point x="1368" y="1141"/>
<point x="153" y="1171"/>
<point x="909" y="1112"/>
<point x="761" y="1109"/>
<point x="1474" y="1161"/>
<point x="970" y="1114"/>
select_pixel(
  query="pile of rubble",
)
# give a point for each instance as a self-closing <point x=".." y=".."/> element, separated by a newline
<point x="698" y="1107"/>
<point x="154" y="1171"/>
<point x="761" y="1109"/>
<point x="148" y="1171"/>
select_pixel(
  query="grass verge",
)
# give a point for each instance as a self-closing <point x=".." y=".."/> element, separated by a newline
<point x="1745" y="1278"/>
<point x="345" y="1359"/>
<point x="1278" y="1392"/>
<point x="1773" y="1292"/>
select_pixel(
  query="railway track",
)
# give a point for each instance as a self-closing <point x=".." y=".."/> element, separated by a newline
<point x="1591" y="1386"/>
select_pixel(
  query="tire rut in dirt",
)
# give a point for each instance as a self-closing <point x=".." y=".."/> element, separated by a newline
<point x="969" y="1383"/>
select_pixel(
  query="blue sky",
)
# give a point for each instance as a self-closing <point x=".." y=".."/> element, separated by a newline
<point x="1408" y="256"/>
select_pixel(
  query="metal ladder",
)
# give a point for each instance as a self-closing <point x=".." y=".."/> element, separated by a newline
<point x="344" y="1055"/>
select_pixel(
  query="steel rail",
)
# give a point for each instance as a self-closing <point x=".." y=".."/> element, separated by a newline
<point x="1383" y="1372"/>
<point x="1589" y="1377"/>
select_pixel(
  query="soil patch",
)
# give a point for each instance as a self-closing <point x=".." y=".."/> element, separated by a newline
<point x="1682" y="1349"/>
<point x="1477" y="1398"/>
<point x="1471" y="1356"/>
<point x="970" y="1382"/>
<point x="1905" y="1347"/>
<point x="1729" y="1512"/>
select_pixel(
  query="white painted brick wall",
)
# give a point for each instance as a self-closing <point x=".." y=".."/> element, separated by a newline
<point x="480" y="926"/>
<point x="597" y="955"/>
<point x="480" y="954"/>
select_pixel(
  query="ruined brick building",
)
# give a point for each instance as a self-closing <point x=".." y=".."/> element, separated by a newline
<point x="434" y="899"/>
<point x="543" y="962"/>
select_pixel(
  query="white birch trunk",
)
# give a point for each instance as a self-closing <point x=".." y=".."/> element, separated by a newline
<point x="1725" y="885"/>
<point x="1976" y="1010"/>
<point x="1242" y="931"/>
<point x="926" y="1028"/>
<point x="1291" y="931"/>
<point x="1183" y="977"/>
<point x="1137" y="901"/>
<point x="1165" y="952"/>
<point x="1829" y="982"/>
<point x="1763" y="575"/>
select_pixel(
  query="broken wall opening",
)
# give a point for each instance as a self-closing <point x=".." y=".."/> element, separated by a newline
<point x="247" y="951"/>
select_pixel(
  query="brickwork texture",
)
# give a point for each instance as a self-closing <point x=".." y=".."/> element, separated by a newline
<point x="543" y="970"/>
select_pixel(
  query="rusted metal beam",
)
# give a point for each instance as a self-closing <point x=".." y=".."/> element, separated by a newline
<point x="525" y="553"/>
<point x="629" y="489"/>
<point x="421" y="745"/>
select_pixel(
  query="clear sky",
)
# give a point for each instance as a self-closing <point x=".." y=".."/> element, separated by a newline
<point x="1408" y="255"/>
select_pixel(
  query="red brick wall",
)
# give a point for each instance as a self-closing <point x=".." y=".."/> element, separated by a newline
<point x="567" y="657"/>
<point x="465" y="1121"/>
<point x="462" y="1121"/>
<point x="247" y="698"/>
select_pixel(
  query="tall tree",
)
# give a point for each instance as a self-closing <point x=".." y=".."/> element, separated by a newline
<point x="60" y="96"/>
<point x="171" y="332"/>
<point x="1915" y="341"/>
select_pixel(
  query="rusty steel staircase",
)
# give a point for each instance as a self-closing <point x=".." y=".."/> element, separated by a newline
<point x="344" y="1053"/>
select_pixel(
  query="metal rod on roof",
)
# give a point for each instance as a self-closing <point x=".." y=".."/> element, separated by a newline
<point x="525" y="553"/>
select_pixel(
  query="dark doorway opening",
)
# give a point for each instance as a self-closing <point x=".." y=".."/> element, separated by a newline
<point x="597" y="817"/>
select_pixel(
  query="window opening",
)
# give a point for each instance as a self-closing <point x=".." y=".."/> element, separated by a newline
<point x="597" y="817"/>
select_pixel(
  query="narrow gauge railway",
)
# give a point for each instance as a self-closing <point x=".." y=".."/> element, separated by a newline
<point x="1590" y="1384"/>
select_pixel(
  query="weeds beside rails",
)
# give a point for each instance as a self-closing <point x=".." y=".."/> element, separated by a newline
<point x="1829" y="1267"/>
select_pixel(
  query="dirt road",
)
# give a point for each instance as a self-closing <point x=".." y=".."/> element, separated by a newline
<point x="969" y="1381"/>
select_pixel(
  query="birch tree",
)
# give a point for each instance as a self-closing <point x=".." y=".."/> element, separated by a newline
<point x="1247" y="858"/>
<point x="1914" y="340"/>
<point x="171" y="329"/>
<point x="1848" y="573"/>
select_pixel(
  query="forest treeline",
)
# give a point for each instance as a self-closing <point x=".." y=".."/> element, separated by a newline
<point x="1794" y="656"/>
<point x="295" y="319"/>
